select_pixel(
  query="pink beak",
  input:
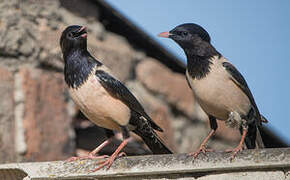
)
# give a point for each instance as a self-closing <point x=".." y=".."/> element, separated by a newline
<point x="164" y="34"/>
<point x="81" y="29"/>
<point x="84" y="35"/>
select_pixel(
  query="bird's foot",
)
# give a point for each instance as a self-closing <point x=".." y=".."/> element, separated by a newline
<point x="89" y="156"/>
<point x="202" y="149"/>
<point x="108" y="162"/>
<point x="235" y="151"/>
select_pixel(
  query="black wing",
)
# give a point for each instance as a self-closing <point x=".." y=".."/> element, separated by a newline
<point x="238" y="79"/>
<point x="119" y="91"/>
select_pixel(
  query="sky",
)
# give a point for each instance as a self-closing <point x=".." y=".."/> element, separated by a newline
<point x="253" y="35"/>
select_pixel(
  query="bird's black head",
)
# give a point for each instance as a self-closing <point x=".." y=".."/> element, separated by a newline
<point x="187" y="35"/>
<point x="195" y="42"/>
<point x="73" y="37"/>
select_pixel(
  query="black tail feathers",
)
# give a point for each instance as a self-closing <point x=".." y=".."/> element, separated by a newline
<point x="145" y="129"/>
<point x="253" y="139"/>
<point x="153" y="141"/>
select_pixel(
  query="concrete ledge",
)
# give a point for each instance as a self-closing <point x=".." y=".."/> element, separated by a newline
<point x="254" y="164"/>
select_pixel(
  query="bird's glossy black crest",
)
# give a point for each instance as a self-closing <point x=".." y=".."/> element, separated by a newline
<point x="78" y="61"/>
<point x="189" y="31"/>
<point x="71" y="39"/>
<point x="195" y="41"/>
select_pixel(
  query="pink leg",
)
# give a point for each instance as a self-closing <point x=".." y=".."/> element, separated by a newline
<point x="108" y="162"/>
<point x="92" y="154"/>
<point x="202" y="147"/>
<point x="239" y="148"/>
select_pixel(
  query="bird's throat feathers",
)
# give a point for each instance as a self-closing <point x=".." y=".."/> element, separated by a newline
<point x="78" y="66"/>
<point x="199" y="59"/>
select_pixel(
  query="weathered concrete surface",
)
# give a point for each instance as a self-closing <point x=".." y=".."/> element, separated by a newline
<point x="264" y="175"/>
<point x="250" y="164"/>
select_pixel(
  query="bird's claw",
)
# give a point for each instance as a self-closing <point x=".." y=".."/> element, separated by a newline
<point x="202" y="149"/>
<point x="235" y="151"/>
<point x="72" y="159"/>
<point x="108" y="162"/>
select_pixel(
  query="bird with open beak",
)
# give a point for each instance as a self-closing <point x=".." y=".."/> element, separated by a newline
<point x="103" y="99"/>
<point x="218" y="86"/>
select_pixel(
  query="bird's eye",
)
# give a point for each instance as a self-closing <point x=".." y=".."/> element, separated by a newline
<point x="70" y="34"/>
<point x="184" y="33"/>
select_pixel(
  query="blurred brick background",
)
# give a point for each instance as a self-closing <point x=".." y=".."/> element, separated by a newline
<point x="38" y="120"/>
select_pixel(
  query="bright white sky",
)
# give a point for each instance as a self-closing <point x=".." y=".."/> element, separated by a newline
<point x="253" y="35"/>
